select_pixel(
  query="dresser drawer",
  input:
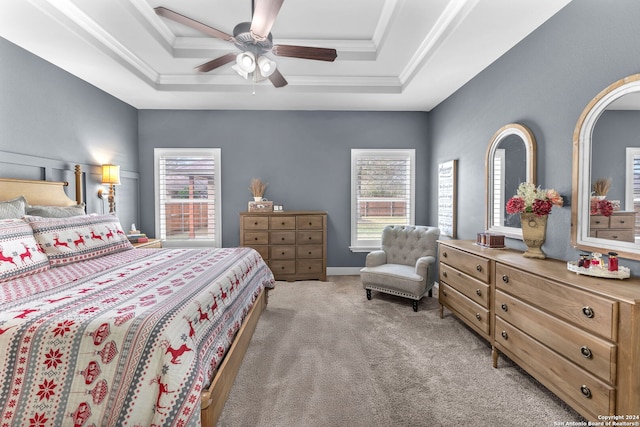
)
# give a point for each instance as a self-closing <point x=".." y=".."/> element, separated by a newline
<point x="280" y="267"/>
<point x="309" y="251"/>
<point x="472" y="312"/>
<point x="567" y="380"/>
<point x="252" y="238"/>
<point x="615" y="234"/>
<point x="622" y="221"/>
<point x="255" y="222"/>
<point x="262" y="250"/>
<point x="588" y="351"/>
<point x="310" y="222"/>
<point x="598" y="221"/>
<point x="283" y="222"/>
<point x="593" y="313"/>
<point x="283" y="252"/>
<point x="465" y="284"/>
<point x="309" y="237"/>
<point x="473" y="265"/>
<point x="307" y="266"/>
<point x="282" y="238"/>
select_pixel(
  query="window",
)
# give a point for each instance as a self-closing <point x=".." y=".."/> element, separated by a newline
<point x="382" y="193"/>
<point x="498" y="186"/>
<point x="632" y="186"/>
<point x="187" y="185"/>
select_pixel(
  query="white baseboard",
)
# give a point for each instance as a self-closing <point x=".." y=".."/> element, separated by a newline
<point x="343" y="271"/>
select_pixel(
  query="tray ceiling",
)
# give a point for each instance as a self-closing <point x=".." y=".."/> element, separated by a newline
<point x="405" y="55"/>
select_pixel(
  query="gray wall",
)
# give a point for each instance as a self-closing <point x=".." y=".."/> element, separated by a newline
<point x="305" y="156"/>
<point x="48" y="113"/>
<point x="544" y="83"/>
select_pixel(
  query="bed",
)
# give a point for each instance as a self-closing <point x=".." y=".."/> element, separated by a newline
<point x="95" y="332"/>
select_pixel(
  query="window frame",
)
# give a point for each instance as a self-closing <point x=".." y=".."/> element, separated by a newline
<point x="214" y="153"/>
<point x="360" y="245"/>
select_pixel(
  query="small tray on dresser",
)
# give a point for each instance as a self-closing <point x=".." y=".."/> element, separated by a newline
<point x="622" y="273"/>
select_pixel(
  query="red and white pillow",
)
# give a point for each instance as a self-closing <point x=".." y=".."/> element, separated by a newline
<point x="73" y="239"/>
<point x="20" y="254"/>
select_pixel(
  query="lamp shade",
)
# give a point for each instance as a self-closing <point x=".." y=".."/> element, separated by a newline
<point x="111" y="174"/>
<point x="267" y="66"/>
<point x="246" y="61"/>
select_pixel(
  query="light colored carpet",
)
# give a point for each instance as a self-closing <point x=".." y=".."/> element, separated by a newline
<point x="323" y="355"/>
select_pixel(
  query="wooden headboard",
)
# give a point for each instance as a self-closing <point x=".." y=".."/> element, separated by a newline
<point x="48" y="193"/>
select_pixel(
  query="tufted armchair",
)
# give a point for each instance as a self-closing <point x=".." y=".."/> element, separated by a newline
<point x="405" y="265"/>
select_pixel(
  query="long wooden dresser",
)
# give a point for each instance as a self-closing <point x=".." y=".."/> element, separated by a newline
<point x="293" y="243"/>
<point x="578" y="335"/>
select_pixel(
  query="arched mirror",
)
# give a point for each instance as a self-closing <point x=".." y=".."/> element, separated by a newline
<point x="511" y="159"/>
<point x="606" y="149"/>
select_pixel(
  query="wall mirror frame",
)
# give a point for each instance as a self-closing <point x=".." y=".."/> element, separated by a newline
<point x="495" y="191"/>
<point x="581" y="179"/>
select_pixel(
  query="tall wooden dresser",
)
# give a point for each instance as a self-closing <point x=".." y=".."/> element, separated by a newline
<point x="293" y="243"/>
<point x="578" y="335"/>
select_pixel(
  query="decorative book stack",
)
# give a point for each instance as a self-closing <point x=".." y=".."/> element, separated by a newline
<point x="135" y="236"/>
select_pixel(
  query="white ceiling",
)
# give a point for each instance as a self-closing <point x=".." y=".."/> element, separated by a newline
<point x="405" y="55"/>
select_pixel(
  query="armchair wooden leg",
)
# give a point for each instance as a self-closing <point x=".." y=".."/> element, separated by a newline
<point x="368" y="294"/>
<point x="415" y="305"/>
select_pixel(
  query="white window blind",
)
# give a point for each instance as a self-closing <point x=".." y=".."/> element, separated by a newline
<point x="188" y="197"/>
<point x="382" y="193"/>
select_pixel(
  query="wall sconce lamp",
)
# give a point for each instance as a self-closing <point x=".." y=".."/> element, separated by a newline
<point x="111" y="176"/>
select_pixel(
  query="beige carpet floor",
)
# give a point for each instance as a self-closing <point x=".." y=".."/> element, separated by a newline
<point x="323" y="355"/>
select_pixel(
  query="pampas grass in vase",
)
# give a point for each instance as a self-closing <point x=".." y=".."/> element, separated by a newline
<point x="257" y="188"/>
<point x="601" y="187"/>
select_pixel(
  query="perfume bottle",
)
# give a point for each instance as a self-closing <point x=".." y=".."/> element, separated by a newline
<point x="596" y="260"/>
<point x="584" y="261"/>
<point x="613" y="261"/>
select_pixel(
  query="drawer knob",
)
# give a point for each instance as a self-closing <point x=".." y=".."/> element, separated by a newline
<point x="444" y="254"/>
<point x="478" y="292"/>
<point x="588" y="311"/>
<point x="585" y="391"/>
<point x="586" y="352"/>
<point x="505" y="278"/>
<point x="478" y="267"/>
<point x="444" y="274"/>
<point x="255" y="223"/>
<point x="478" y="316"/>
<point x="309" y="252"/>
<point x="282" y="253"/>
<point x="597" y="222"/>
<point x="282" y="223"/>
<point x="255" y="238"/>
<point x="310" y="238"/>
<point x="505" y="335"/>
<point x="444" y="293"/>
<point x="282" y="239"/>
<point x="504" y="307"/>
<point x="310" y="223"/>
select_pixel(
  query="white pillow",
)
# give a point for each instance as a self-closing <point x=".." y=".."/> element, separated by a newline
<point x="14" y="208"/>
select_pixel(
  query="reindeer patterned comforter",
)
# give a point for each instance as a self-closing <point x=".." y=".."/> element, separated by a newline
<point x="128" y="339"/>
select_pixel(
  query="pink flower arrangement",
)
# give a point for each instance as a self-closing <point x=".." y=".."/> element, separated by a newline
<point x="601" y="207"/>
<point x="530" y="198"/>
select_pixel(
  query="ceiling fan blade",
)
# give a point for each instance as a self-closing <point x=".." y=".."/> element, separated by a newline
<point x="305" y="52"/>
<point x="264" y="16"/>
<point x="175" y="16"/>
<point x="278" y="79"/>
<point x="218" y="62"/>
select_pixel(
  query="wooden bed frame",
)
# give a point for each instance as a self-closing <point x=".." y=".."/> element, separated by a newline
<point x="214" y="397"/>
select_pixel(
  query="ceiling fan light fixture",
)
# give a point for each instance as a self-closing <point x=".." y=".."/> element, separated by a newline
<point x="266" y="66"/>
<point x="246" y="61"/>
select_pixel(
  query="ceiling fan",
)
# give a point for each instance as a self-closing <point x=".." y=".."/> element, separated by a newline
<point x="255" y="41"/>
